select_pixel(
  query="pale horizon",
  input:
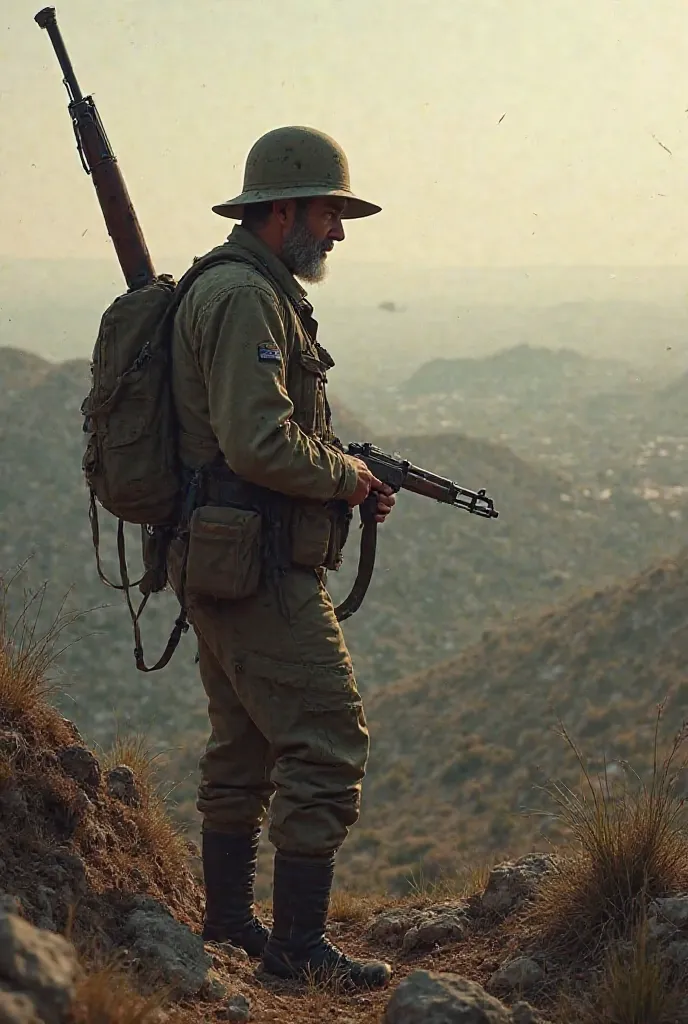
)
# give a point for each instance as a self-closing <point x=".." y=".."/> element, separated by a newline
<point x="510" y="136"/>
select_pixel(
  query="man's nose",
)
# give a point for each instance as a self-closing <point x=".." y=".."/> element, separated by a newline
<point x="337" y="232"/>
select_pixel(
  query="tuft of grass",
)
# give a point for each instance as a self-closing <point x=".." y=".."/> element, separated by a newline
<point x="350" y="907"/>
<point x="458" y="884"/>
<point x="635" y="987"/>
<point x="26" y="652"/>
<point x="162" y="838"/>
<point x="323" y="989"/>
<point x="106" y="996"/>
<point x="630" y="848"/>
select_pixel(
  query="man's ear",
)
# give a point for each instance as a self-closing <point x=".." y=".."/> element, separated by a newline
<point x="284" y="209"/>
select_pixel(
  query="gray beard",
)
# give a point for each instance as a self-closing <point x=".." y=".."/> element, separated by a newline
<point x="303" y="254"/>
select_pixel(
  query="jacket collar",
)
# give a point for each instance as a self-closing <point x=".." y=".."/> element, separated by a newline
<point x="241" y="238"/>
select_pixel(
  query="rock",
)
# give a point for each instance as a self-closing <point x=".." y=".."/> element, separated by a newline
<point x="213" y="988"/>
<point x="677" y="952"/>
<point x="659" y="930"/>
<point x="39" y="965"/>
<point x="439" y="929"/>
<point x="13" y="802"/>
<point x="420" y="929"/>
<point x="82" y="805"/>
<point x="67" y="872"/>
<point x="10" y="904"/>
<point x="81" y="765"/>
<point x="390" y="927"/>
<point x="229" y="950"/>
<point x="516" y="975"/>
<point x="426" y="997"/>
<point x="166" y="948"/>
<point x="513" y="882"/>
<point x="673" y="909"/>
<point x="16" y="1008"/>
<point x="238" y="1009"/>
<point x="43" y="899"/>
<point x="121" y="785"/>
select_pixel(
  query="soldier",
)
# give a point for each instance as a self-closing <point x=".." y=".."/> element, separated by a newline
<point x="288" y="727"/>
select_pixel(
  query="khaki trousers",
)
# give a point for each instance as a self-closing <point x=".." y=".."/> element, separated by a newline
<point x="288" y="730"/>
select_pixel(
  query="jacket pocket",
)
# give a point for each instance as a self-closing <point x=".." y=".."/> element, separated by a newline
<point x="311" y="413"/>
<point x="224" y="557"/>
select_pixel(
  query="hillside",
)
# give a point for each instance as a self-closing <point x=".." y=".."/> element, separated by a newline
<point x="442" y="575"/>
<point x="459" y="750"/>
<point x="102" y="902"/>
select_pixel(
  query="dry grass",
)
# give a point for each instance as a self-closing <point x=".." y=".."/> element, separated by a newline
<point x="165" y="840"/>
<point x="632" y="849"/>
<point x="458" y="884"/>
<point x="635" y="987"/>
<point x="348" y="907"/>
<point x="26" y="653"/>
<point x="106" y="996"/>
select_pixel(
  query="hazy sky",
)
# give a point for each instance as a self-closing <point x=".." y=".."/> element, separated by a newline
<point x="414" y="91"/>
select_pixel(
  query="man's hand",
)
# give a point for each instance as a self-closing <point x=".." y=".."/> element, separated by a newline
<point x="367" y="482"/>
<point x="385" y="502"/>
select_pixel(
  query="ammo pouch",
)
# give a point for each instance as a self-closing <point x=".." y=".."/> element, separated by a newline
<point x="279" y="531"/>
<point x="224" y="553"/>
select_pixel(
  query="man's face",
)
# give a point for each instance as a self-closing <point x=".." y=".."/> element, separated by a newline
<point x="315" y="229"/>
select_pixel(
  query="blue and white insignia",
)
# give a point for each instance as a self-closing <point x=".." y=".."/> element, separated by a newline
<point x="269" y="352"/>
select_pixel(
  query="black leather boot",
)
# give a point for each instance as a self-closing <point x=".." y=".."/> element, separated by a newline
<point x="297" y="947"/>
<point x="229" y="871"/>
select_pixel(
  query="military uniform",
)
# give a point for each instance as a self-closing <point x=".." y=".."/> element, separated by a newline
<point x="266" y="516"/>
<point x="249" y="381"/>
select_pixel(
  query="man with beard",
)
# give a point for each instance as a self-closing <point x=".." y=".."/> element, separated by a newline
<point x="288" y="731"/>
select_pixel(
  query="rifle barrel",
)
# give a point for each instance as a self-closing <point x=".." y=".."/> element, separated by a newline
<point x="47" y="19"/>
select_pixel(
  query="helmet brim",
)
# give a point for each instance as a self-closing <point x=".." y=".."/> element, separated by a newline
<point x="355" y="208"/>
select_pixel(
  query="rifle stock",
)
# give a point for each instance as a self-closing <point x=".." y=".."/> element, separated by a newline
<point x="99" y="161"/>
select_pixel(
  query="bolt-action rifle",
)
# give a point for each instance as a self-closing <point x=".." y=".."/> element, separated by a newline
<point x="99" y="161"/>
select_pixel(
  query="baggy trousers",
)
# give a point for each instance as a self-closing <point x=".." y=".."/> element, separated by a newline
<point x="288" y="728"/>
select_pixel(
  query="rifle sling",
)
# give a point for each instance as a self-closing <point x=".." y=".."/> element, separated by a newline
<point x="366" y="561"/>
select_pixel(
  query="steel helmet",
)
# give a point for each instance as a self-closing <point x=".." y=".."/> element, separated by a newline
<point x="295" y="162"/>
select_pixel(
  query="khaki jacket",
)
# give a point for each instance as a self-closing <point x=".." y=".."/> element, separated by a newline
<point x="248" y="379"/>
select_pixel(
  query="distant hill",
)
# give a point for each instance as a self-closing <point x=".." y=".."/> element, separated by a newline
<point x="442" y="578"/>
<point x="523" y="372"/>
<point x="458" y="750"/>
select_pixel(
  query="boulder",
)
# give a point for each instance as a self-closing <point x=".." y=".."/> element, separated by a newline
<point x="38" y="972"/>
<point x="672" y="910"/>
<point x="436" y="929"/>
<point x="427" y="997"/>
<point x="413" y="928"/>
<point x="516" y="976"/>
<point x="121" y="784"/>
<point x="237" y="1009"/>
<point x="81" y="765"/>
<point x="166" y="949"/>
<point x="512" y="883"/>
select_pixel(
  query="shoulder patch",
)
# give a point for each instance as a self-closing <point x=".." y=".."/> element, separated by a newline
<point x="269" y="352"/>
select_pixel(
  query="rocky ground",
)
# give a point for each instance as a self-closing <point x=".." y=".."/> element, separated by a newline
<point x="101" y="903"/>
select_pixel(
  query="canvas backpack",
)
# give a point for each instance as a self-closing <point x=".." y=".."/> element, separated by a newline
<point x="131" y="463"/>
